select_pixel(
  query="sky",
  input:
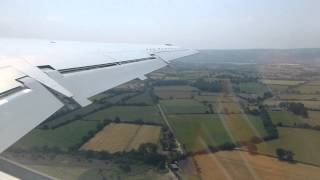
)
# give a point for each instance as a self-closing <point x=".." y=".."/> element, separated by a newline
<point x="200" y="24"/>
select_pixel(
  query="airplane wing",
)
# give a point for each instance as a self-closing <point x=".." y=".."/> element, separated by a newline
<point x="38" y="77"/>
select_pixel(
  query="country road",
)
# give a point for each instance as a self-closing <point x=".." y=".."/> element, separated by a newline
<point x="164" y="117"/>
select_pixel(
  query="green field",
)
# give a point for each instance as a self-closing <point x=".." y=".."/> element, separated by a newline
<point x="183" y="106"/>
<point x="304" y="143"/>
<point x="128" y="113"/>
<point x="71" y="115"/>
<point x="63" y="137"/>
<point x="206" y="98"/>
<point x="120" y="97"/>
<point x="253" y="88"/>
<point x="286" y="118"/>
<point x="175" y="88"/>
<point x="144" y="98"/>
<point x="197" y="132"/>
<point x="306" y="89"/>
<point x="282" y="82"/>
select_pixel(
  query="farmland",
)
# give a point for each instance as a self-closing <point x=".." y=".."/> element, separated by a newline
<point x="128" y="113"/>
<point x="197" y="132"/>
<point x="122" y="137"/>
<point x="178" y="92"/>
<point x="183" y="106"/>
<point x="241" y="165"/>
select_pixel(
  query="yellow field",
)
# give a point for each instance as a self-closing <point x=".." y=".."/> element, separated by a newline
<point x="228" y="105"/>
<point x="282" y="82"/>
<point x="122" y="137"/>
<point x="242" y="127"/>
<point x="243" y="166"/>
<point x="146" y="134"/>
<point x="228" y="108"/>
<point x="314" y="118"/>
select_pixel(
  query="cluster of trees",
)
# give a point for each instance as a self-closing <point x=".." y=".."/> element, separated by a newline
<point x="296" y="108"/>
<point x="147" y="153"/>
<point x="284" y="155"/>
<point x="268" y="125"/>
<point x="301" y="125"/>
<point x="228" y="146"/>
<point x="167" y="140"/>
<point x="214" y="86"/>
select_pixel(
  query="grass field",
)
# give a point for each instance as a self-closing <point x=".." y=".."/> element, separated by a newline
<point x="243" y="127"/>
<point x="304" y="143"/>
<point x="119" y="98"/>
<point x="243" y="166"/>
<point x="123" y="137"/>
<point x="63" y="137"/>
<point x="197" y="132"/>
<point x="285" y="118"/>
<point x="282" y="82"/>
<point x="183" y="106"/>
<point x="128" y="113"/>
<point x="253" y="88"/>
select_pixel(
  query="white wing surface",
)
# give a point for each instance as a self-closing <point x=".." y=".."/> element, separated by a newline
<point x="36" y="75"/>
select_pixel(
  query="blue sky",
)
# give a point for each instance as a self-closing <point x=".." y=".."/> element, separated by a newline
<point x="223" y="24"/>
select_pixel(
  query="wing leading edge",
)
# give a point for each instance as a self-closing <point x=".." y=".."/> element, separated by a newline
<point x="36" y="75"/>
